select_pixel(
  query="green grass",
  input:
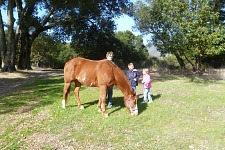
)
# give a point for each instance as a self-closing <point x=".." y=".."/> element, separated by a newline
<point x="187" y="113"/>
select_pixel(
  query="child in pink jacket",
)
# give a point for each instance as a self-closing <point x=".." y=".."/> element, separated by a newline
<point x="147" y="85"/>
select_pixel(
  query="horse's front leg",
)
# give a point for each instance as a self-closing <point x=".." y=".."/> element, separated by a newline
<point x="102" y="100"/>
<point x="76" y="93"/>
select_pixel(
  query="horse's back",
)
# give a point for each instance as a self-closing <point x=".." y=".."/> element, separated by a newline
<point x="89" y="72"/>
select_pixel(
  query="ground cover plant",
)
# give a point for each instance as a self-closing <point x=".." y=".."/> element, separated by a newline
<point x="187" y="113"/>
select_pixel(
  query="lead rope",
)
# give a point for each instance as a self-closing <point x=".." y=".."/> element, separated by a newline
<point x="128" y="100"/>
<point x="141" y="91"/>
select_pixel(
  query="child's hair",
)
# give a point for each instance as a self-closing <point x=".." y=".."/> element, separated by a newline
<point x="109" y="54"/>
<point x="146" y="70"/>
<point x="130" y="64"/>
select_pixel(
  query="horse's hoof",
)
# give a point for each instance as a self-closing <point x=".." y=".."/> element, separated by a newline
<point x="106" y="115"/>
<point x="81" y="107"/>
<point x="99" y="110"/>
<point x="63" y="104"/>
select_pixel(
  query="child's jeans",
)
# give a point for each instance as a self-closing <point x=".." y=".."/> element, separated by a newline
<point x="147" y="95"/>
<point x="109" y="93"/>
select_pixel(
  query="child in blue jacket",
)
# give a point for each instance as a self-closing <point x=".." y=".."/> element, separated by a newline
<point x="133" y="76"/>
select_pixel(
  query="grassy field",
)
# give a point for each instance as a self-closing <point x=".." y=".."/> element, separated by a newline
<point x="187" y="113"/>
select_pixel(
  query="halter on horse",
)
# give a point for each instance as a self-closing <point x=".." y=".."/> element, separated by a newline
<point x="103" y="74"/>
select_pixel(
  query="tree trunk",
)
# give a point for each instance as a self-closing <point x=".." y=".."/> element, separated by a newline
<point x="180" y="61"/>
<point x="9" y="64"/>
<point x="25" y="52"/>
<point x="193" y="66"/>
<point x="21" y="52"/>
<point x="2" y="42"/>
<point x="28" y="53"/>
<point x="198" y="64"/>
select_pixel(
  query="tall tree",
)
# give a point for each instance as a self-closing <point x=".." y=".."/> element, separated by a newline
<point x="93" y="32"/>
<point x="187" y="29"/>
<point x="63" y="19"/>
<point x="203" y="31"/>
<point x="9" y="62"/>
<point x="2" y="42"/>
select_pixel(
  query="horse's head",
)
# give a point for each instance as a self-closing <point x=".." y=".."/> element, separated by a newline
<point x="131" y="103"/>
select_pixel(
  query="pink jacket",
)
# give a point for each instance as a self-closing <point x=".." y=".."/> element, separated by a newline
<point x="147" y="81"/>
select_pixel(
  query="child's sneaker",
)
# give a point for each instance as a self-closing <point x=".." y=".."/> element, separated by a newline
<point x="143" y="102"/>
<point x="110" y="106"/>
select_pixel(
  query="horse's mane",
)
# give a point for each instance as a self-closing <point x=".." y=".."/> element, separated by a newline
<point x="122" y="74"/>
<point x="123" y="80"/>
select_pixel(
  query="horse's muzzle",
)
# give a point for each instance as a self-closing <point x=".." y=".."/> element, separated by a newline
<point x="134" y="112"/>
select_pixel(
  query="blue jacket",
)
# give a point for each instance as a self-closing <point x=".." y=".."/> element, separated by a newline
<point x="134" y="74"/>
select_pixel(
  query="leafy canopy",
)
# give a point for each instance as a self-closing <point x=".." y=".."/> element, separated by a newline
<point x="190" y="29"/>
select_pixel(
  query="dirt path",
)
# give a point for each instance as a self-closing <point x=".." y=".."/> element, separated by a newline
<point x="11" y="81"/>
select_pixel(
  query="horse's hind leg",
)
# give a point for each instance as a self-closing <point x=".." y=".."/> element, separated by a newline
<point x="76" y="93"/>
<point x="99" y="105"/>
<point x="66" y="92"/>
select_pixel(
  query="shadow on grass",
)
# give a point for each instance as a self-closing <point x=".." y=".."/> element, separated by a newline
<point x="143" y="107"/>
<point x="25" y="75"/>
<point x="118" y="104"/>
<point x="201" y="80"/>
<point x="34" y="94"/>
<point x="165" y="78"/>
<point x="193" y="77"/>
<point x="86" y="105"/>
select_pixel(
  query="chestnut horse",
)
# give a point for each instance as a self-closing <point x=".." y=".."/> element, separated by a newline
<point x="103" y="74"/>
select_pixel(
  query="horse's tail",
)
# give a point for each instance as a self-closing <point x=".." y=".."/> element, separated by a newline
<point x="66" y="95"/>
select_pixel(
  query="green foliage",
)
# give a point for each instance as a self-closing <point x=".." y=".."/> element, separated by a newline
<point x="130" y="48"/>
<point x="89" y="24"/>
<point x="187" y="29"/>
<point x="67" y="53"/>
<point x="187" y="113"/>
<point x="94" y="42"/>
<point x="169" y="62"/>
<point x="47" y="51"/>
